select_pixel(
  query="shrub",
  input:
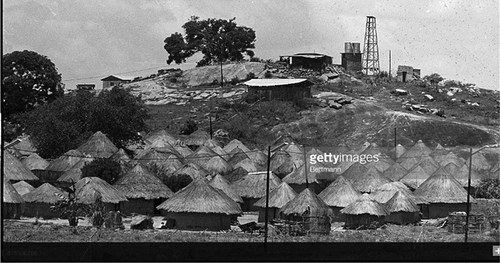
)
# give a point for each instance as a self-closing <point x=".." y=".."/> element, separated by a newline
<point x="268" y="75"/>
<point x="250" y="75"/>
<point x="235" y="80"/>
<point x="189" y="127"/>
<point x="488" y="188"/>
<point x="106" y="169"/>
<point x="173" y="79"/>
<point x="178" y="74"/>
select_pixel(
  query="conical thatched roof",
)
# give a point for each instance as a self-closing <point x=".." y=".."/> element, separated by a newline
<point x="400" y="150"/>
<point x="449" y="158"/>
<point x="98" y="146"/>
<point x="140" y="183"/>
<point x="395" y="172"/>
<point x="35" y="162"/>
<point x="191" y="169"/>
<point x="161" y="139"/>
<point x="452" y="169"/>
<point x="14" y="170"/>
<point x="369" y="181"/>
<point x="279" y="158"/>
<point x="278" y="197"/>
<point x="284" y="138"/>
<point x="201" y="156"/>
<point x="365" y="205"/>
<point x="219" y="182"/>
<point x="10" y="195"/>
<point x="353" y="170"/>
<point x="442" y="187"/>
<point x="248" y="165"/>
<point x="373" y="149"/>
<point x="45" y="193"/>
<point x="211" y="143"/>
<point x="219" y="151"/>
<point x="384" y="162"/>
<point x="439" y="151"/>
<point x="121" y="156"/>
<point x="340" y="193"/>
<point x="237" y="155"/>
<point x="358" y="149"/>
<point x="386" y="191"/>
<point x="75" y="173"/>
<point x="23" y="187"/>
<point x="342" y="148"/>
<point x="182" y="149"/>
<point x="233" y="144"/>
<point x="26" y="146"/>
<point x="479" y="162"/>
<point x="258" y="157"/>
<point x="218" y="165"/>
<point x="253" y="185"/>
<point x="286" y="167"/>
<point x="88" y="186"/>
<point x="462" y="175"/>
<point x="296" y="152"/>
<point x="199" y="137"/>
<point x="306" y="201"/>
<point x="200" y="197"/>
<point x="168" y="162"/>
<point x="428" y="164"/>
<point x="298" y="176"/>
<point x="236" y="174"/>
<point x="415" y="177"/>
<point x="66" y="161"/>
<point x="418" y="150"/>
<point x="494" y="172"/>
<point x="401" y="202"/>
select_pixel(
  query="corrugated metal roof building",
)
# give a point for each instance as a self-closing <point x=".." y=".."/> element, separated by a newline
<point x="308" y="60"/>
<point x="279" y="89"/>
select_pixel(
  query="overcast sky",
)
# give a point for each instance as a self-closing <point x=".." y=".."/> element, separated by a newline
<point x="90" y="39"/>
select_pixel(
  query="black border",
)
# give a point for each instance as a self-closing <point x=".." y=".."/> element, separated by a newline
<point x="248" y="252"/>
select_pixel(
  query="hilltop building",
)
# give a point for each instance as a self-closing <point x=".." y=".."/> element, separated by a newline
<point x="352" y="56"/>
<point x="279" y="89"/>
<point x="314" y="61"/>
<point x="113" y="80"/>
<point x="407" y="73"/>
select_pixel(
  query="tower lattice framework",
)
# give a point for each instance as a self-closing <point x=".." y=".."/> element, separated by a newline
<point x="371" y="65"/>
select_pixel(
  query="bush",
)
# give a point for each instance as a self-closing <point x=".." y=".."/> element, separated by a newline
<point x="268" y="75"/>
<point x="489" y="189"/>
<point x="173" y="79"/>
<point x="176" y="183"/>
<point x="250" y="75"/>
<point x="189" y="127"/>
<point x="235" y="80"/>
<point x="178" y="74"/>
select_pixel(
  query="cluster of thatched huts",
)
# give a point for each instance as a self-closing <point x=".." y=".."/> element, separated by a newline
<point x="230" y="179"/>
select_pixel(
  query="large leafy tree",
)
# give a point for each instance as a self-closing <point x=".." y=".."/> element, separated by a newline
<point x="217" y="39"/>
<point x="67" y="122"/>
<point x="28" y="79"/>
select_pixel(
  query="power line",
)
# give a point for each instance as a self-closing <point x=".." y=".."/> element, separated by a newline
<point x="114" y="74"/>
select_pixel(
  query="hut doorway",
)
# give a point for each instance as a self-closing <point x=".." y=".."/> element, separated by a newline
<point x="404" y="76"/>
<point x="156" y="203"/>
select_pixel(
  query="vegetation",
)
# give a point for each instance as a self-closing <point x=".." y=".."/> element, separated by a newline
<point x="188" y="127"/>
<point x="217" y="39"/>
<point x="67" y="122"/>
<point x="28" y="79"/>
<point x="489" y="189"/>
<point x="107" y="169"/>
<point x="70" y="208"/>
<point x="176" y="183"/>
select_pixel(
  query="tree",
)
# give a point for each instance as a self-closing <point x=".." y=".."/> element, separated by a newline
<point x="217" y="39"/>
<point x="433" y="79"/>
<point x="28" y="79"/>
<point x="106" y="169"/>
<point x="67" y="122"/>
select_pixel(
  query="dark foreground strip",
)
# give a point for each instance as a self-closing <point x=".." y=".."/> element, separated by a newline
<point x="248" y="252"/>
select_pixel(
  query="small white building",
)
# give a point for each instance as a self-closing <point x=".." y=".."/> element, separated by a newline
<point x="114" y="80"/>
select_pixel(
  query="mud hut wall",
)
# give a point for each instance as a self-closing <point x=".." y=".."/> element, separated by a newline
<point x="247" y="204"/>
<point x="200" y="221"/>
<point x="337" y="215"/>
<point x="440" y="210"/>
<point x="139" y="206"/>
<point x="11" y="210"/>
<point x="363" y="220"/>
<point x="403" y="218"/>
<point x="41" y="210"/>
<point x="273" y="213"/>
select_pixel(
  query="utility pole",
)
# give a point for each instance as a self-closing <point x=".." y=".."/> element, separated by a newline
<point x="468" y="198"/>
<point x="390" y="62"/>
<point x="267" y="196"/>
<point x="210" y="127"/>
<point x="305" y="166"/>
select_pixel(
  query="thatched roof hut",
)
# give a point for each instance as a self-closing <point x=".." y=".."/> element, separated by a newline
<point x="237" y="155"/>
<point x="23" y="187"/>
<point x="160" y="139"/>
<point x="182" y="149"/>
<point x="66" y="161"/>
<point x="98" y="146"/>
<point x="235" y="144"/>
<point x="248" y="165"/>
<point x="87" y="188"/>
<point x="258" y="157"/>
<point x="199" y="206"/>
<point x="14" y="170"/>
<point x="449" y="158"/>
<point x="35" y="162"/>
<point x="297" y="180"/>
<point x="236" y="174"/>
<point x="364" y="213"/>
<point x="309" y="208"/>
<point x="479" y="162"/>
<point x="75" y="173"/>
<point x="197" y="138"/>
<point x="278" y="198"/>
<point x="462" y="175"/>
<point x="126" y="163"/>
<point x="11" y="201"/>
<point x="201" y="156"/>
<point x="395" y="172"/>
<point x="191" y="169"/>
<point x="282" y="139"/>
<point x="384" y="162"/>
<point x="428" y="164"/>
<point x="142" y="190"/>
<point x="410" y="162"/>
<point x="439" y="151"/>
<point x="444" y="194"/>
<point x="252" y="187"/>
<point x="402" y="208"/>
<point x="219" y="182"/>
<point x="296" y="152"/>
<point x="385" y="192"/>
<point x="278" y="158"/>
<point x="39" y="200"/>
<point x="418" y="150"/>
<point x="415" y="177"/>
<point x="373" y="149"/>
<point x="353" y="170"/>
<point x="369" y="181"/>
<point x="339" y="194"/>
<point x="167" y="162"/>
<point x="25" y="147"/>
<point x="217" y="165"/>
<point x="211" y="143"/>
<point x="141" y="183"/>
<point x="493" y="172"/>
<point x="399" y="151"/>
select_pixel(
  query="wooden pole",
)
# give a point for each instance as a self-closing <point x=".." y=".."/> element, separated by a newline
<point x="468" y="199"/>
<point x="305" y="166"/>
<point x="390" y="61"/>
<point x="267" y="196"/>
<point x="211" y="132"/>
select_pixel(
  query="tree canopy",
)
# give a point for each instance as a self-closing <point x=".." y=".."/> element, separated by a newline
<point x="106" y="169"/>
<point x="217" y="39"/>
<point x="28" y="79"/>
<point x="67" y="122"/>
